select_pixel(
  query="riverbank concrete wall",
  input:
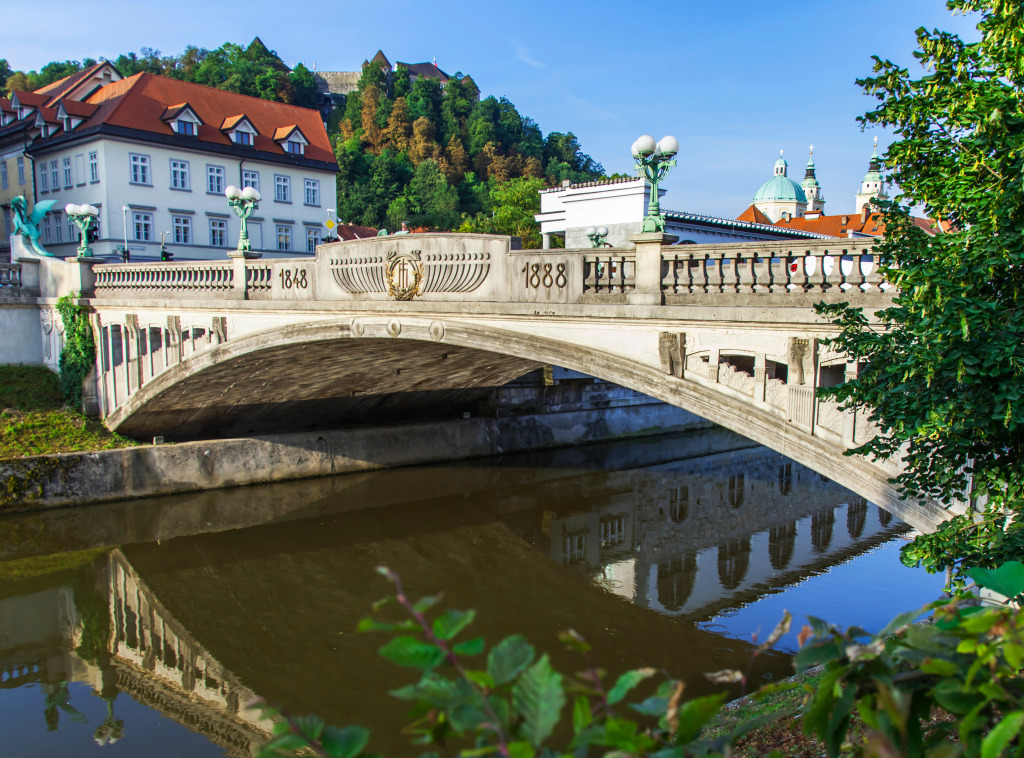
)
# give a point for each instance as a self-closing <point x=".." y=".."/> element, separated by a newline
<point x="135" y="472"/>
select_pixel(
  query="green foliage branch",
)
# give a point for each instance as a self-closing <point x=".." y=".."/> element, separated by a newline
<point x="942" y="368"/>
<point x="79" y="354"/>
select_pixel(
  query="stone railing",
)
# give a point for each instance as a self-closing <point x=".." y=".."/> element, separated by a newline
<point x="10" y="279"/>
<point x="197" y="279"/>
<point x="835" y="267"/>
<point x="482" y="268"/>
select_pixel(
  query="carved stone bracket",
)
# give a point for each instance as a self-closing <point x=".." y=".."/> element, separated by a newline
<point x="220" y="329"/>
<point x="797" y="350"/>
<point x="672" y="352"/>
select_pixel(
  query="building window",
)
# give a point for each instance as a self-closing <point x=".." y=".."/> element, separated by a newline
<point x="54" y="176"/>
<point x="284" y="237"/>
<point x="140" y="169"/>
<point x="312" y="240"/>
<point x="71" y="228"/>
<point x="251" y="179"/>
<point x="312" y="192"/>
<point x="182" y="226"/>
<point x="186" y="127"/>
<point x="68" y="179"/>
<point x="58" y="229"/>
<point x="179" y="175"/>
<point x="218" y="233"/>
<point x="142" y="224"/>
<point x="94" y="167"/>
<point x="8" y="228"/>
<point x="44" y="181"/>
<point x="294" y="147"/>
<point x="21" y="170"/>
<point x="282" y="189"/>
<point x="243" y="138"/>
<point x="215" y="179"/>
<point x="3" y="175"/>
<point x="46" y="229"/>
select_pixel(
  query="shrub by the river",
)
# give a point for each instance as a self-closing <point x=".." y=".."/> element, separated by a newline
<point x="965" y="662"/>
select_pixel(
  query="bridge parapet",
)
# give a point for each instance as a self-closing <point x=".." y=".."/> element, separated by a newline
<point x="484" y="268"/>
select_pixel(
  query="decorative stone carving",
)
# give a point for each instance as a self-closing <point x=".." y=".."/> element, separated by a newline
<point x="672" y="353"/>
<point x="775" y="393"/>
<point x="436" y="331"/>
<point x="357" y="327"/>
<point x="403" y="276"/>
<point x="173" y="330"/>
<point x="797" y="350"/>
<point x="46" y="319"/>
<point x="220" y="329"/>
<point x="394" y="327"/>
<point x="131" y="324"/>
<point x="740" y="381"/>
<point x="829" y="416"/>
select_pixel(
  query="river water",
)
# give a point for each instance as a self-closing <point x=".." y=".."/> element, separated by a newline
<point x="143" y="628"/>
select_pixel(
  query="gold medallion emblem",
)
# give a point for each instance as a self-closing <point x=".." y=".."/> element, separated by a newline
<point x="404" y="272"/>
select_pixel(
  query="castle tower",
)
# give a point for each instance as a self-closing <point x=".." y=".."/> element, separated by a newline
<point x="811" y="188"/>
<point x="872" y="187"/>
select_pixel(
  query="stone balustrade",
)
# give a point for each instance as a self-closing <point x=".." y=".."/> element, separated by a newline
<point x="434" y="267"/>
<point x="10" y="279"/>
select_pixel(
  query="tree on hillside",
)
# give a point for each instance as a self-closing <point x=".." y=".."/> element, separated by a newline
<point x="303" y="86"/>
<point x="944" y="376"/>
<point x="425" y="100"/>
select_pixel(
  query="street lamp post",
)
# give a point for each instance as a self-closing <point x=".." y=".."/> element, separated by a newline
<point x="244" y="203"/>
<point x="597" y="235"/>
<point x="653" y="161"/>
<point x="84" y="217"/>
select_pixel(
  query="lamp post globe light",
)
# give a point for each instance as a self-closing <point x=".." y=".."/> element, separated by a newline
<point x="84" y="216"/>
<point x="244" y="203"/>
<point x="597" y="235"/>
<point x="653" y="162"/>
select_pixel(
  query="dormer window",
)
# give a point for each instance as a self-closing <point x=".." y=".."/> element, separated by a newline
<point x="182" y="119"/>
<point x="239" y="129"/>
<point x="291" y="139"/>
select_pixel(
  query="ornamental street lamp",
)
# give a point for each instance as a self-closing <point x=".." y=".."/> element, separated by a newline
<point x="84" y="216"/>
<point x="597" y="235"/>
<point x="653" y="162"/>
<point x="244" y="203"/>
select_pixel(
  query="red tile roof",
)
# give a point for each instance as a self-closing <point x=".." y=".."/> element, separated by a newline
<point x="58" y="89"/>
<point x="754" y="215"/>
<point x="140" y="101"/>
<point x="843" y="225"/>
<point x="351" y="232"/>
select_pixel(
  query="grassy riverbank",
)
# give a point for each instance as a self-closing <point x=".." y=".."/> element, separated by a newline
<point x="35" y="421"/>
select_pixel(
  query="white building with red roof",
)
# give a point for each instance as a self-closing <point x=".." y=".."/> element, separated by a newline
<point x="155" y="155"/>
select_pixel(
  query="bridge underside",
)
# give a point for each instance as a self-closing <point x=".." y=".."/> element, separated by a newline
<point x="323" y="384"/>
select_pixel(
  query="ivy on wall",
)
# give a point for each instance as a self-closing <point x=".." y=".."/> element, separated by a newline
<point x="79" y="354"/>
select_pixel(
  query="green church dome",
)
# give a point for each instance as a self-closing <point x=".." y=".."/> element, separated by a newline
<point x="780" y="188"/>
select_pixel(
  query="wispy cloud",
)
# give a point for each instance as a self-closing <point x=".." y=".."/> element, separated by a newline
<point x="591" y="111"/>
<point x="523" y="53"/>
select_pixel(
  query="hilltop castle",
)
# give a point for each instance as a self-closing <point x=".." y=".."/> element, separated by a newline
<point x="333" y="86"/>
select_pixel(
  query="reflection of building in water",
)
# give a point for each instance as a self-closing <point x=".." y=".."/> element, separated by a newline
<point x="151" y="658"/>
<point x="710" y="532"/>
<point x="159" y="664"/>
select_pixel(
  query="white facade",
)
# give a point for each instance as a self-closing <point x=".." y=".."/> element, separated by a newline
<point x="143" y="189"/>
<point x="621" y="206"/>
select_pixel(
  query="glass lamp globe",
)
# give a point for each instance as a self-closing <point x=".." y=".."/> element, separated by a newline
<point x="591" y="231"/>
<point x="602" y="231"/>
<point x="250" y="193"/>
<point x="669" y="146"/>
<point x="72" y="210"/>
<point x="645" y="145"/>
<point x="232" y="192"/>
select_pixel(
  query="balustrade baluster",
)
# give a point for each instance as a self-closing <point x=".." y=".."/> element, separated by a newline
<point x="856" y="276"/>
<point x="817" y="279"/>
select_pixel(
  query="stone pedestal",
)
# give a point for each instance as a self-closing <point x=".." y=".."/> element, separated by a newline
<point x="81" y="278"/>
<point x="29" y="276"/>
<point x="647" y="289"/>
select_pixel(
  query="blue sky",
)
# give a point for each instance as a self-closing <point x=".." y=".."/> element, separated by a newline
<point x="735" y="81"/>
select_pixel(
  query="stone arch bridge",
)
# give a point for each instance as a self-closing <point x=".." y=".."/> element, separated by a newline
<point x="416" y="326"/>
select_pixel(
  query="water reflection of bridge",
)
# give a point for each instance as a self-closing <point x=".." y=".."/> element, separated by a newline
<point x="198" y="623"/>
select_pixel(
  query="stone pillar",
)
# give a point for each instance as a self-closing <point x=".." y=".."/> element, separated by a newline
<point x="647" y="290"/>
<point x="238" y="289"/>
<point x="850" y="417"/>
<point x="714" y="360"/>
<point x="760" y="364"/>
<point x="29" y="276"/>
<point x="132" y="358"/>
<point x="546" y="240"/>
<point x="82" y="279"/>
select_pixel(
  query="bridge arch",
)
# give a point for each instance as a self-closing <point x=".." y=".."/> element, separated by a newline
<point x="359" y="365"/>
